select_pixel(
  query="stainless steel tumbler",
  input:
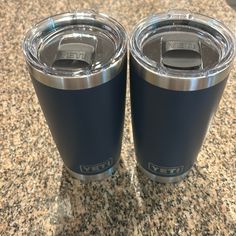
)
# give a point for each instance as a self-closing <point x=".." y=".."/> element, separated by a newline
<point x="77" y="63"/>
<point x="180" y="63"/>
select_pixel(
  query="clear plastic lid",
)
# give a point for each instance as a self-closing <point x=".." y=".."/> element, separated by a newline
<point x="75" y="45"/>
<point x="180" y="50"/>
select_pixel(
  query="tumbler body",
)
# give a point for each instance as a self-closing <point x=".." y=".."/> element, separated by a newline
<point x="179" y="66"/>
<point x="86" y="124"/>
<point x="169" y="126"/>
<point x="77" y="63"/>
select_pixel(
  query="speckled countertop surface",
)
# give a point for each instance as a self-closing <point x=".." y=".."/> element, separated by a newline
<point x="38" y="197"/>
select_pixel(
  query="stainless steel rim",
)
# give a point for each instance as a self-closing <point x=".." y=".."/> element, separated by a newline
<point x="97" y="177"/>
<point x="175" y="83"/>
<point x="163" y="179"/>
<point x="75" y="83"/>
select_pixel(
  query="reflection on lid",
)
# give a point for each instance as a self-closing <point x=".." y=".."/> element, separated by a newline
<point x="77" y="48"/>
<point x="181" y="48"/>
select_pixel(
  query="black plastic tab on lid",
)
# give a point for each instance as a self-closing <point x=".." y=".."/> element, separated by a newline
<point x="183" y="53"/>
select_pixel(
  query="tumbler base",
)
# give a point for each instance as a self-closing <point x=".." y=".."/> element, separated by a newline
<point x="96" y="177"/>
<point x="163" y="179"/>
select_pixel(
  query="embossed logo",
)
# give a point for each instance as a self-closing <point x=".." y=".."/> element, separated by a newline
<point x="167" y="171"/>
<point x="186" y="45"/>
<point x="73" y="55"/>
<point x="93" y="169"/>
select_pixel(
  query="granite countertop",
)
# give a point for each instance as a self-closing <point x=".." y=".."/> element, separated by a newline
<point x="38" y="197"/>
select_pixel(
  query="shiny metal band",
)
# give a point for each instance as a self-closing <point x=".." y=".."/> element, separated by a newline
<point x="97" y="177"/>
<point x="178" y="83"/>
<point x="163" y="179"/>
<point x="80" y="82"/>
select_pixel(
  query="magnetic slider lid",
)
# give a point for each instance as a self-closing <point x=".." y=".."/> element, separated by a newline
<point x="182" y="51"/>
<point x="75" y="50"/>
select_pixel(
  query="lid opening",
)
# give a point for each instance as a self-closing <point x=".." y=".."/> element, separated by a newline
<point x="183" y="53"/>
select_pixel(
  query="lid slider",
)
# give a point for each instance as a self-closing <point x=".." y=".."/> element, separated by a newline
<point x="181" y="53"/>
<point x="76" y="52"/>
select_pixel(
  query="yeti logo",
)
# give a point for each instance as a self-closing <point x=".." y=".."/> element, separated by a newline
<point x="93" y="169"/>
<point x="166" y="171"/>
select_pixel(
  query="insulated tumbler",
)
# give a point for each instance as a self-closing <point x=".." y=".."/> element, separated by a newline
<point x="77" y="63"/>
<point x="179" y="64"/>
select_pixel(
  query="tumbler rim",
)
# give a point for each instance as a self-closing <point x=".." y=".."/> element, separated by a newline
<point x="80" y="79"/>
<point x="182" y="80"/>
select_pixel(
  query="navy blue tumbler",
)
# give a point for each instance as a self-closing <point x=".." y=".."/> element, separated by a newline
<point x="77" y="63"/>
<point x="179" y="65"/>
